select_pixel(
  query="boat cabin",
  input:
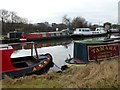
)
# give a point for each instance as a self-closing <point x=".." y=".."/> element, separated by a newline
<point x="99" y="31"/>
<point x="11" y="62"/>
<point x="94" y="50"/>
<point x="87" y="31"/>
<point x="83" y="31"/>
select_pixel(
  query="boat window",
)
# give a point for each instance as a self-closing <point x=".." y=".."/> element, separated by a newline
<point x="79" y="29"/>
<point x="85" y="30"/>
<point x="27" y="50"/>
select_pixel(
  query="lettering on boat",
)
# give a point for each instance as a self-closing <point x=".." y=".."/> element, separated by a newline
<point x="99" y="52"/>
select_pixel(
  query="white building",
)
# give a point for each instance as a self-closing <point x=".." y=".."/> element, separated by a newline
<point x="119" y="12"/>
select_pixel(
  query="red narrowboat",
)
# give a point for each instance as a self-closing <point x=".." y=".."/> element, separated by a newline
<point x="23" y="65"/>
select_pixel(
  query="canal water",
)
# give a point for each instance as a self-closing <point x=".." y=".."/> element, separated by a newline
<point x="59" y="49"/>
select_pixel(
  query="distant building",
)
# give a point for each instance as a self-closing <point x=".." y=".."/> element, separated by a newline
<point x="119" y="12"/>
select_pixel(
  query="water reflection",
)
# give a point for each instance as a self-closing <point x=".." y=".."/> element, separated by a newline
<point x="59" y="49"/>
<point x="59" y="53"/>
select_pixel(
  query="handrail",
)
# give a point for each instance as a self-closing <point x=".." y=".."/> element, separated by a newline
<point x="7" y="45"/>
<point x="21" y="43"/>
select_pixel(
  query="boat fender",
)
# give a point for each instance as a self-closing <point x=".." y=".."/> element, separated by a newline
<point x="59" y="72"/>
<point x="64" y="67"/>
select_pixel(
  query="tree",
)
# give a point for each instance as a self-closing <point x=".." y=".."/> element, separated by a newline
<point x="114" y="26"/>
<point x="54" y="26"/>
<point x="4" y="15"/>
<point x="16" y="19"/>
<point x="13" y="17"/>
<point x="107" y="26"/>
<point x="79" y="22"/>
<point x="10" y="16"/>
<point x="62" y="26"/>
<point x="107" y="23"/>
<point x="66" y="20"/>
<point x="11" y="21"/>
<point x="41" y="27"/>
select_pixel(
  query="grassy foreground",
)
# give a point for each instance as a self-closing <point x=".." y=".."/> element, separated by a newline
<point x="93" y="75"/>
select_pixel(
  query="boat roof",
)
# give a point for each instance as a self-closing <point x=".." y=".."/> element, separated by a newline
<point x="5" y="47"/>
<point x="92" y="42"/>
<point x="82" y="28"/>
<point x="99" y="41"/>
<point x="9" y="46"/>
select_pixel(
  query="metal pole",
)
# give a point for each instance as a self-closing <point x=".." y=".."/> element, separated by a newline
<point x="2" y="25"/>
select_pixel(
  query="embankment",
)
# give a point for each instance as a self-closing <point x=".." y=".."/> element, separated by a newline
<point x="92" y="75"/>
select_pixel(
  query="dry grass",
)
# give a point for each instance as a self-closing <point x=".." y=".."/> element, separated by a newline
<point x="0" y="84"/>
<point x="93" y="75"/>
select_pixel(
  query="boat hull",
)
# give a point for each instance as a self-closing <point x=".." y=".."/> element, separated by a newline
<point x="39" y="68"/>
<point x="94" y="51"/>
<point x="23" y="65"/>
<point x="88" y="35"/>
<point x="28" y="70"/>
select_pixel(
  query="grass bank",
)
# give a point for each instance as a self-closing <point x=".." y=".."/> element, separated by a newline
<point x="93" y="75"/>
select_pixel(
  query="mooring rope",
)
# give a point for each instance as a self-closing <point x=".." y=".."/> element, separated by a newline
<point x="57" y="66"/>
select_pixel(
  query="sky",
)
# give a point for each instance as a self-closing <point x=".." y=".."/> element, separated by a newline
<point x="52" y="11"/>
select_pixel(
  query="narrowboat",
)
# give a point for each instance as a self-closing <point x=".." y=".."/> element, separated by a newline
<point x="44" y="36"/>
<point x="94" y="51"/>
<point x="31" y="63"/>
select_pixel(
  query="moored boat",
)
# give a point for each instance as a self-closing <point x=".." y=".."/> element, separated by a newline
<point x="87" y="32"/>
<point x="23" y="65"/>
<point x="113" y="30"/>
<point x="94" y="51"/>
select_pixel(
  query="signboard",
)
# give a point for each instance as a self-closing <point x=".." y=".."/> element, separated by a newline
<point x="100" y="52"/>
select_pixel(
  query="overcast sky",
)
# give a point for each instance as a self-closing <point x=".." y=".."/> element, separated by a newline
<point x="94" y="11"/>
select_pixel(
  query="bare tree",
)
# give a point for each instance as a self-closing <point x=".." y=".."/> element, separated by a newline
<point x="66" y="20"/>
<point x="13" y="17"/>
<point x="16" y="19"/>
<point x="10" y="16"/>
<point x="4" y="15"/>
<point x="11" y="21"/>
<point x="24" y="20"/>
